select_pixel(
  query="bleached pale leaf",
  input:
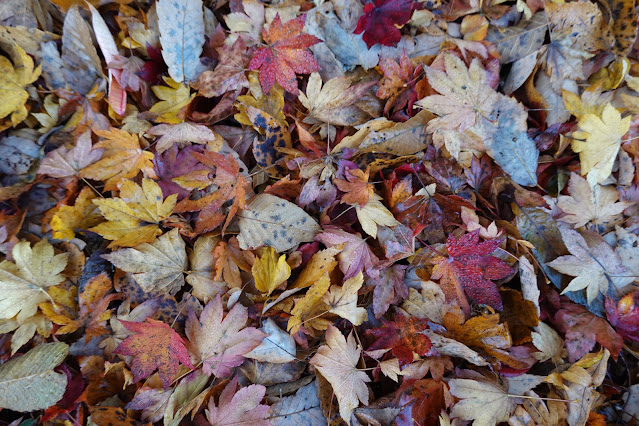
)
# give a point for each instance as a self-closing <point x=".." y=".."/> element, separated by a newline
<point x="337" y="362"/>
<point x="184" y="133"/>
<point x="29" y="383"/>
<point x="486" y="403"/>
<point x="277" y="347"/>
<point x="181" y="25"/>
<point x="155" y="267"/>
<point x="272" y="221"/>
<point x="64" y="162"/>
<point x="343" y="300"/>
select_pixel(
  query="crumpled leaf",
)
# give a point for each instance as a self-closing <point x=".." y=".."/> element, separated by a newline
<point x="219" y="341"/>
<point x="334" y="102"/>
<point x="154" y="346"/>
<point x="29" y="382"/>
<point x="382" y="19"/>
<point x="23" y="283"/>
<point x="134" y="218"/>
<point x="337" y="362"/>
<point x="270" y="272"/>
<point x="181" y="25"/>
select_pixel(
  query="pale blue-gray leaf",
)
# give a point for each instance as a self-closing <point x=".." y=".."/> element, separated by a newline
<point x="303" y="408"/>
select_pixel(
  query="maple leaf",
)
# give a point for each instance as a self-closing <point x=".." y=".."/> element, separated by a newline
<point x="23" y="283"/>
<point x="64" y="162"/>
<point x="396" y="76"/>
<point x="123" y="158"/>
<point x="157" y="267"/>
<point x="358" y="190"/>
<point x="231" y="185"/>
<point x="239" y="407"/>
<point x="469" y="268"/>
<point x="374" y="214"/>
<point x="286" y="54"/>
<point x="382" y="19"/>
<point x="135" y="216"/>
<point x="583" y="329"/>
<point x="219" y="341"/>
<point x="343" y="300"/>
<point x="356" y="255"/>
<point x="337" y="362"/>
<point x="593" y="263"/>
<point x="624" y="316"/>
<point x="83" y="215"/>
<point x="599" y="204"/>
<point x="424" y="400"/>
<point x="172" y="100"/>
<point x="402" y="336"/>
<point x="270" y="272"/>
<point x="154" y="346"/>
<point x="465" y="97"/>
<point x="13" y="80"/>
<point x="598" y="141"/>
<point x="173" y="163"/>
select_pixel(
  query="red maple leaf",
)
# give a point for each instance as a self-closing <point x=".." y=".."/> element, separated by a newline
<point x="424" y="401"/>
<point x="287" y="53"/>
<point x="382" y="19"/>
<point x="155" y="346"/>
<point x="470" y="268"/>
<point x="624" y="316"/>
<point x="403" y="336"/>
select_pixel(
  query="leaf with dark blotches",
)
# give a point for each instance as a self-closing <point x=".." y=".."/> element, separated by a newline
<point x="287" y="54"/>
<point x="469" y="268"/>
<point x="275" y="135"/>
<point x="154" y="346"/>
<point x="382" y="19"/>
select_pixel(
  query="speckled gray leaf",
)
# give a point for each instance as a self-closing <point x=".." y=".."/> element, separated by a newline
<point x="29" y="383"/>
<point x="301" y="408"/>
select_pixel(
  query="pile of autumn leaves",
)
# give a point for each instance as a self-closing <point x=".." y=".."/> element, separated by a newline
<point x="366" y="285"/>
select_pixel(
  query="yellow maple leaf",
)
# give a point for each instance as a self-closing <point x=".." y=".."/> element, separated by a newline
<point x="172" y="100"/>
<point x="82" y="215"/>
<point x="13" y="80"/>
<point x="134" y="218"/>
<point x="343" y="300"/>
<point x="269" y="271"/>
<point x="598" y="141"/>
<point x="309" y="309"/>
<point x="23" y="283"/>
<point x="374" y="214"/>
<point x="123" y="158"/>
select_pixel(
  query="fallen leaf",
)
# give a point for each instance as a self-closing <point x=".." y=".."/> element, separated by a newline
<point x="15" y="78"/>
<point x="287" y="54"/>
<point x="343" y="300"/>
<point x="270" y="272"/>
<point x="238" y="407"/>
<point x="134" y="218"/>
<point x="154" y="346"/>
<point x="219" y="341"/>
<point x="382" y="19"/>
<point x="337" y="362"/>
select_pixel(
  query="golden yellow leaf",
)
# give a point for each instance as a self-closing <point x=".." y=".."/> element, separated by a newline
<point x="597" y="141"/>
<point x="123" y="158"/>
<point x="269" y="271"/>
<point x="13" y="80"/>
<point x="172" y="100"/>
<point x="321" y="263"/>
<point x="309" y="309"/>
<point x="23" y="283"/>
<point x="134" y="218"/>
<point x="591" y="101"/>
<point x="372" y="214"/>
<point x="82" y="215"/>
